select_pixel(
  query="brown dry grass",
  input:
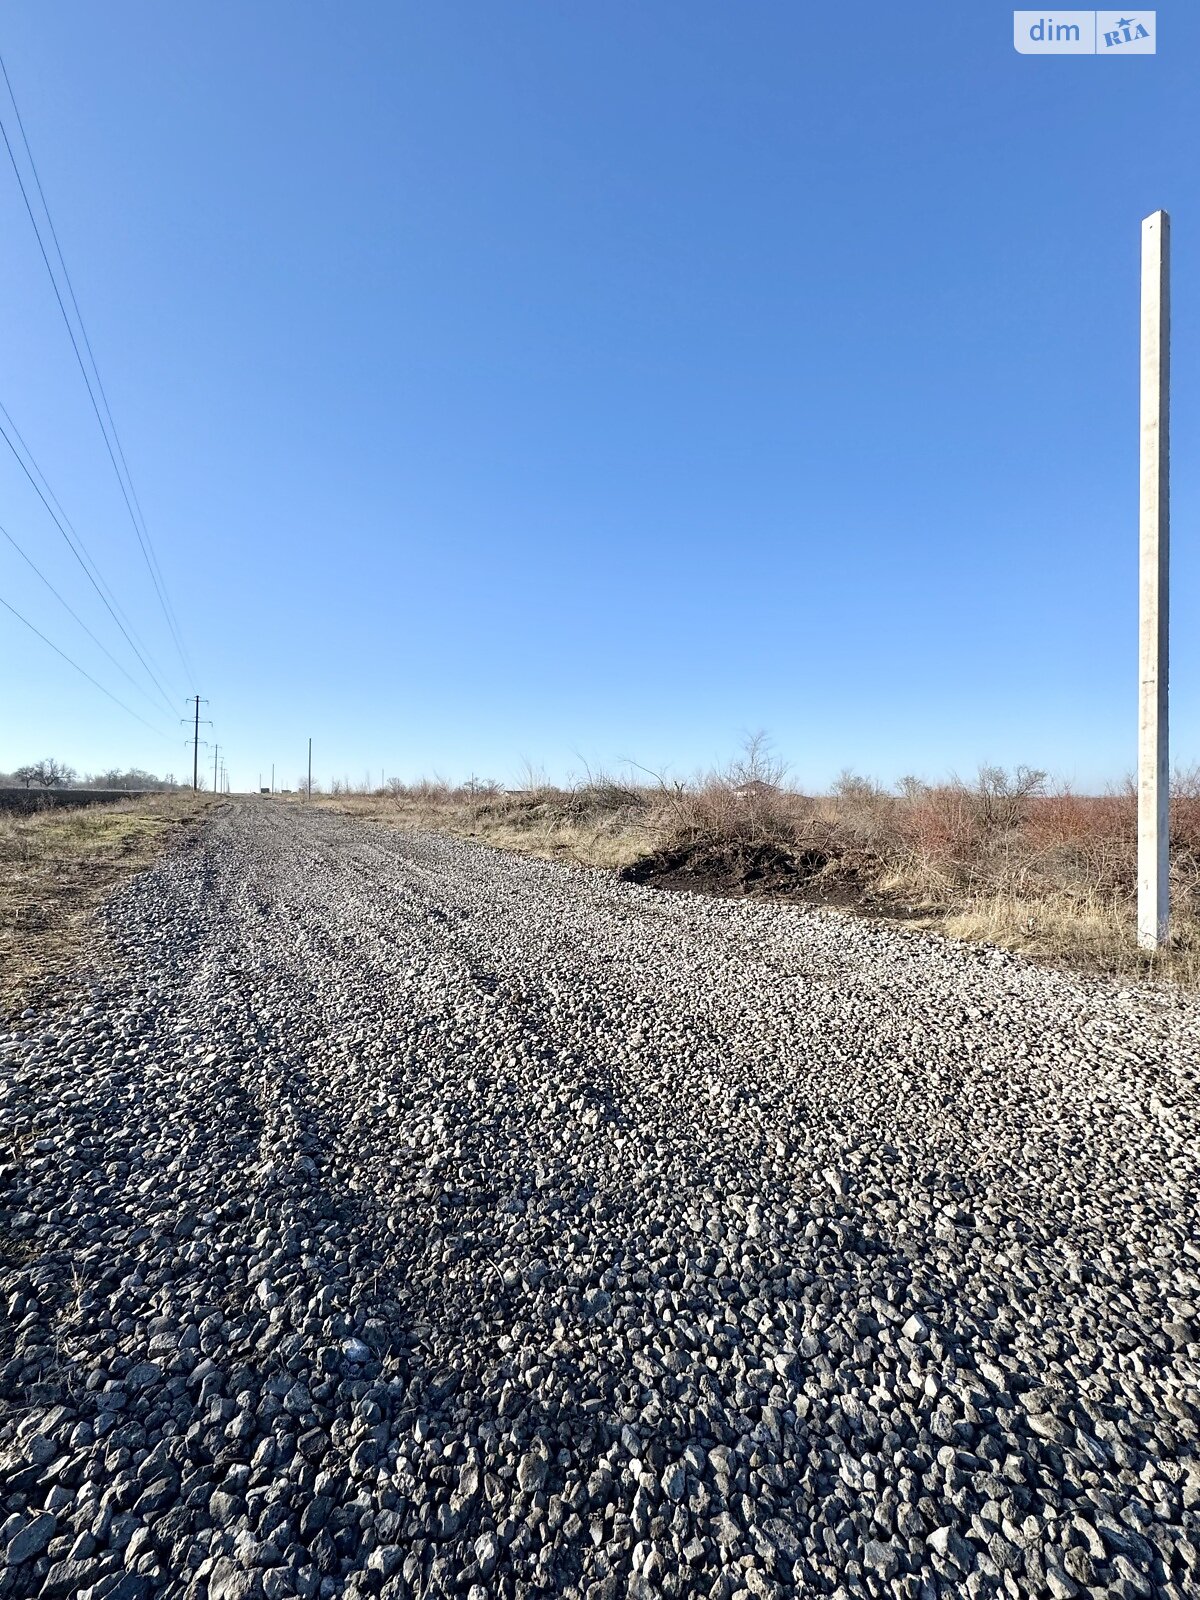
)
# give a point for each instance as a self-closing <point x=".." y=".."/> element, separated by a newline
<point x="56" y="866"/>
<point x="1004" y="859"/>
<point x="554" y="824"/>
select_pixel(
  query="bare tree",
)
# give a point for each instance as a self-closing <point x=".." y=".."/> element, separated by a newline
<point x="47" y="774"/>
<point x="131" y="778"/>
<point x="757" y="767"/>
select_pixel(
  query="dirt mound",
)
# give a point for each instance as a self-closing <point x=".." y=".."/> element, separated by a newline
<point x="730" y="867"/>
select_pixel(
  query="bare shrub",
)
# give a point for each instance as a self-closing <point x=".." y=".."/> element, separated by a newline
<point x="743" y="802"/>
<point x="1002" y="799"/>
<point x="1185" y="809"/>
<point x="1087" y="844"/>
<point x="482" y="788"/>
<point x="953" y="834"/>
<point x="866" y="816"/>
<point x="433" y="791"/>
<point x="859" y="793"/>
<point x="533" y="782"/>
<point x="937" y="829"/>
<point x="602" y="795"/>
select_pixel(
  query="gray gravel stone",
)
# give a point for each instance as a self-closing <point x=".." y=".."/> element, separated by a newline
<point x="30" y="1539"/>
<point x="396" y="1217"/>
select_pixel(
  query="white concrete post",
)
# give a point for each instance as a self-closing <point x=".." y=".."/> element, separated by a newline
<point x="1153" y="908"/>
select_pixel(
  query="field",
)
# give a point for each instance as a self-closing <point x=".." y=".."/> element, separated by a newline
<point x="1006" y="859"/>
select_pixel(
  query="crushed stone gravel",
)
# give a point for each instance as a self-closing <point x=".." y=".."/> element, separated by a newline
<point x="399" y="1217"/>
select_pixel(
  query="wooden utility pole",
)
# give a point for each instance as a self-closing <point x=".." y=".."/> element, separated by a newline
<point x="1153" y="909"/>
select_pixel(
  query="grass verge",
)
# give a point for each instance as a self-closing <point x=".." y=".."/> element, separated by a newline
<point x="56" y="866"/>
<point x="556" y="825"/>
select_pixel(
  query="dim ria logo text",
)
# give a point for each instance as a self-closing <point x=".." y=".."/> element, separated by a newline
<point x="1084" y="33"/>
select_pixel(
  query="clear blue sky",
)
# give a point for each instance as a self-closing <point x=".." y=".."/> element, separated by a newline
<point x="551" y="379"/>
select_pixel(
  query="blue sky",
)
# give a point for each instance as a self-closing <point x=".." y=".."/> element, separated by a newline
<point x="562" y="381"/>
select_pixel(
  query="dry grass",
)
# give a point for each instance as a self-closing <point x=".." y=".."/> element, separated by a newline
<point x="1093" y="933"/>
<point x="55" y="867"/>
<point x="554" y="824"/>
<point x="1006" y="858"/>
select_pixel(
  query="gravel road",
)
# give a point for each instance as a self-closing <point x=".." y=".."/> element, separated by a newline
<point x="394" y="1216"/>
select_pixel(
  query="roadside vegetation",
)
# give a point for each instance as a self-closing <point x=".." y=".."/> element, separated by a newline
<point x="50" y="773"/>
<point x="1007" y="857"/>
<point x="57" y="864"/>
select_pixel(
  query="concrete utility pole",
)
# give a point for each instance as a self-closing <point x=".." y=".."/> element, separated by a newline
<point x="216" y="753"/>
<point x="310" y="772"/>
<point x="194" y="741"/>
<point x="1154" y="772"/>
<point x="272" y="777"/>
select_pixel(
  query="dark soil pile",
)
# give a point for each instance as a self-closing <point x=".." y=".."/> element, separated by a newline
<point x="731" y="867"/>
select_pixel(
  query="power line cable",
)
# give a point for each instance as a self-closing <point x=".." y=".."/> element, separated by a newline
<point x="87" y="342"/>
<point x="164" y="593"/>
<point x="75" y="534"/>
<point x="143" y="542"/>
<point x="94" y="578"/>
<point x="79" y="669"/>
<point x="166" y="697"/>
<point x="32" y="564"/>
<point x="70" y="331"/>
<point x="155" y="577"/>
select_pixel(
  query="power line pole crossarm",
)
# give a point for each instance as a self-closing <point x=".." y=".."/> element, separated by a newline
<point x="195" y="740"/>
<point x="1153" y="908"/>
